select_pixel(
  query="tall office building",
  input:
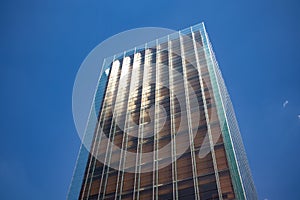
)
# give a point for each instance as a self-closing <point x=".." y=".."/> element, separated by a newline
<point x="162" y="126"/>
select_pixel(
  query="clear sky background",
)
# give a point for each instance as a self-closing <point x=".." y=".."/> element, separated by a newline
<point x="42" y="44"/>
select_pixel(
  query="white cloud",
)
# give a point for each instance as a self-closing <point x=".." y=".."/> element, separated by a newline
<point x="298" y="116"/>
<point x="107" y="71"/>
<point x="285" y="103"/>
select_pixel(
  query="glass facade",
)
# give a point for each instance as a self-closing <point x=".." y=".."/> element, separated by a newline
<point x="162" y="126"/>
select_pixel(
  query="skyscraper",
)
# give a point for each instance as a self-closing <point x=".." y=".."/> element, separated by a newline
<point x="162" y="126"/>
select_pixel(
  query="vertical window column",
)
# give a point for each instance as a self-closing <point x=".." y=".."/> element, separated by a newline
<point x="184" y="41"/>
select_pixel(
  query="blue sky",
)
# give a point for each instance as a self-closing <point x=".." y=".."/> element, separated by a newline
<point x="43" y="43"/>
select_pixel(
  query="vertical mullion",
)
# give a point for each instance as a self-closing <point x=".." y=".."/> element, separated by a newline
<point x="154" y="180"/>
<point x="104" y="166"/>
<point x="120" y="97"/>
<point x="96" y="144"/>
<point x="207" y="120"/>
<point x="101" y="179"/>
<point x="140" y="129"/>
<point x="132" y="86"/>
<point x="122" y="158"/>
<point x="173" y="138"/>
<point x="156" y="117"/>
<point x="191" y="138"/>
